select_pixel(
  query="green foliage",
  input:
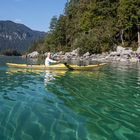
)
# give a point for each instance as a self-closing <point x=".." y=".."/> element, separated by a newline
<point x="93" y="26"/>
<point x="129" y="19"/>
<point x="53" y="23"/>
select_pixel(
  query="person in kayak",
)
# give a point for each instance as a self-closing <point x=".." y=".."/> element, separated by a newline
<point x="49" y="61"/>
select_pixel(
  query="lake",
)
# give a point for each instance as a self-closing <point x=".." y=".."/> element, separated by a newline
<point x="70" y="105"/>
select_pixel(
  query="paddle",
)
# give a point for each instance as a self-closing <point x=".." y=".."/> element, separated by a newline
<point x="68" y="66"/>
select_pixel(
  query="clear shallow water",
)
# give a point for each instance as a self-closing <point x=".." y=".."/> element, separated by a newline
<point x="45" y="105"/>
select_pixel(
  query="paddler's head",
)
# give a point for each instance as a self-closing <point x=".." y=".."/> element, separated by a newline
<point x="49" y="55"/>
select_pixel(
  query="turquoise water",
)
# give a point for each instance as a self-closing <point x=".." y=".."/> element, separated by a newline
<point x="45" y="105"/>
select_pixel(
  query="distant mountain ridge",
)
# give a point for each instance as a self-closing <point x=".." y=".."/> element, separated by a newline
<point x="16" y="36"/>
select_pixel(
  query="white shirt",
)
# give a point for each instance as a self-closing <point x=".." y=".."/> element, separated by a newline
<point x="48" y="61"/>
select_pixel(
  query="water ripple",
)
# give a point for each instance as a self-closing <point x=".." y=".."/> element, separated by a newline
<point x="100" y="105"/>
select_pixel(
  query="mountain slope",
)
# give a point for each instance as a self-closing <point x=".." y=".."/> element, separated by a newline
<point x="15" y="36"/>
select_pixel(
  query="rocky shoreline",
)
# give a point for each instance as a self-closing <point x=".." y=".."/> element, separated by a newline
<point x="120" y="55"/>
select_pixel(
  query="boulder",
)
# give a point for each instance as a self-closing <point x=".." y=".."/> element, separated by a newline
<point x="119" y="49"/>
<point x="138" y="50"/>
<point x="33" y="54"/>
<point x="75" y="52"/>
<point x="87" y="54"/>
<point x="133" y="59"/>
<point x="123" y="60"/>
<point x="114" y="54"/>
<point x="67" y="55"/>
<point x="60" y="53"/>
<point x="45" y="54"/>
<point x="127" y="52"/>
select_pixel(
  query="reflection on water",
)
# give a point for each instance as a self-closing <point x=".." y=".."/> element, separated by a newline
<point x="70" y="105"/>
<point x="48" y="77"/>
<point x="52" y="75"/>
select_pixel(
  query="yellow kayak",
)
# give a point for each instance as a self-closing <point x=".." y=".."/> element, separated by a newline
<point x="55" y="67"/>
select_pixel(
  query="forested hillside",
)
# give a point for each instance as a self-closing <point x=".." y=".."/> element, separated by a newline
<point x="94" y="26"/>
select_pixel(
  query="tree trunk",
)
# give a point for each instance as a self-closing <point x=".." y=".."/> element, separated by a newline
<point x="122" y="31"/>
<point x="138" y="36"/>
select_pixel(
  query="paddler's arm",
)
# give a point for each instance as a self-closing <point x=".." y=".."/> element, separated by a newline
<point x="54" y="61"/>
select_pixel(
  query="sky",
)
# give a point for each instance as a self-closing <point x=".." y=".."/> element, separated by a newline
<point x="35" y="14"/>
